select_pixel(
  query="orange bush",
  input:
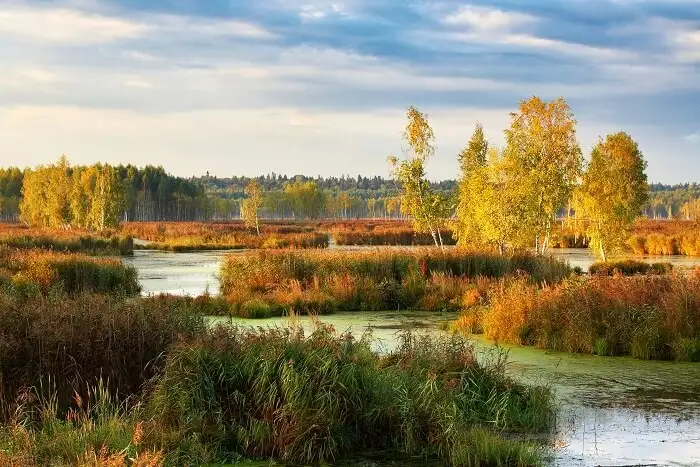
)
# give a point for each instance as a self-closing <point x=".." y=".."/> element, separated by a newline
<point x="646" y="316"/>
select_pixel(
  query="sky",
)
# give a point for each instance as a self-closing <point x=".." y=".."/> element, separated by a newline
<point x="315" y="87"/>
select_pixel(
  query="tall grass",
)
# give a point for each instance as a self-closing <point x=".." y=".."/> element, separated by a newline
<point x="394" y="236"/>
<point x="193" y="236"/>
<point x="70" y="241"/>
<point x="629" y="267"/>
<point x="27" y="272"/>
<point x="278" y="394"/>
<point x="67" y="344"/>
<point x="647" y="237"/>
<point x="97" y="432"/>
<point x="326" y="281"/>
<point x="644" y="316"/>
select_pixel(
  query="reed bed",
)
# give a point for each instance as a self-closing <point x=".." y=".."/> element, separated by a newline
<point x="647" y="237"/>
<point x="326" y="281"/>
<point x="191" y="395"/>
<point x="195" y="236"/>
<point x="682" y="242"/>
<point x="629" y="267"/>
<point x="61" y="345"/>
<point x="403" y="237"/>
<point x="300" y="399"/>
<point x="643" y="316"/>
<point x="69" y="241"/>
<point x="30" y="272"/>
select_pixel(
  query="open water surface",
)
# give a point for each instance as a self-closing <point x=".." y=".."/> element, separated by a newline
<point x="612" y="411"/>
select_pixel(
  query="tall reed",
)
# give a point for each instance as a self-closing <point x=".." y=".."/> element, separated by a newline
<point x="32" y="271"/>
<point x="326" y="281"/>
<point x="278" y="394"/>
<point x="70" y="241"/>
<point x="645" y="316"/>
<point x="70" y="343"/>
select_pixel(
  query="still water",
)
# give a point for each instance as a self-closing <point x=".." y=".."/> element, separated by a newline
<point x="613" y="411"/>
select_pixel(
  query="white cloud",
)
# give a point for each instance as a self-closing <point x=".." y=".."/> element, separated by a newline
<point x="693" y="137"/>
<point x="687" y="45"/>
<point x="492" y="26"/>
<point x="138" y="82"/>
<point x="38" y="75"/>
<point x="54" y="26"/>
<point x="186" y="27"/>
<point x="490" y="19"/>
<point x="60" y="25"/>
<point x="321" y="11"/>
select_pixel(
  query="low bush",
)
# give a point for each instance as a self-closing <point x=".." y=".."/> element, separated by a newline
<point x="256" y="309"/>
<point x="644" y="316"/>
<point x="394" y="236"/>
<point x="629" y="267"/>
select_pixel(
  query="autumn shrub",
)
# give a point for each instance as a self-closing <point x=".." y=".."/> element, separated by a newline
<point x="645" y="316"/>
<point x="629" y="267"/>
<point x="71" y="273"/>
<point x="372" y="280"/>
<point x="279" y="394"/>
<point x="65" y="344"/>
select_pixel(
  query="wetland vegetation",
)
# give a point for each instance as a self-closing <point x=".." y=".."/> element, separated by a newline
<point x="93" y="373"/>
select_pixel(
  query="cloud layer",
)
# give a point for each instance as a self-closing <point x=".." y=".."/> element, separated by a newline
<point x="321" y="87"/>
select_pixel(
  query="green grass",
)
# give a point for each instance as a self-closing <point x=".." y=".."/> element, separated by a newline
<point x="278" y="394"/>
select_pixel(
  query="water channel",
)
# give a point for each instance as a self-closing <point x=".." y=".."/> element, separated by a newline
<point x="613" y="411"/>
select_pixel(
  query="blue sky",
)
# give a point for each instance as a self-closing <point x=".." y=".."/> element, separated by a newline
<point x="321" y="87"/>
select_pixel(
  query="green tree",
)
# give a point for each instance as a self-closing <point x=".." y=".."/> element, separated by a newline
<point x="306" y="199"/>
<point x="544" y="164"/>
<point x="613" y="192"/>
<point x="428" y="210"/>
<point x="250" y="206"/>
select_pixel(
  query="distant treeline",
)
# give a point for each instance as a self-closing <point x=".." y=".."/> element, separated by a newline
<point x="151" y="194"/>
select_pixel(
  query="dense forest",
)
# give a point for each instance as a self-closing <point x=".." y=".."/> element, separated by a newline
<point x="152" y="194"/>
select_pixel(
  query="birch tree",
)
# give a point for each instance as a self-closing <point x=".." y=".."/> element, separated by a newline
<point x="613" y="193"/>
<point x="428" y="210"/>
<point x="250" y="206"/>
<point x="544" y="160"/>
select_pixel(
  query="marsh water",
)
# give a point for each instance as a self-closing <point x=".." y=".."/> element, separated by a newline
<point x="612" y="411"/>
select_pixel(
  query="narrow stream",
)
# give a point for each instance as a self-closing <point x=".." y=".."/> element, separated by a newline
<point x="613" y="411"/>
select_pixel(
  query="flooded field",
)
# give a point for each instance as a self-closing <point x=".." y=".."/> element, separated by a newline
<point x="613" y="411"/>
